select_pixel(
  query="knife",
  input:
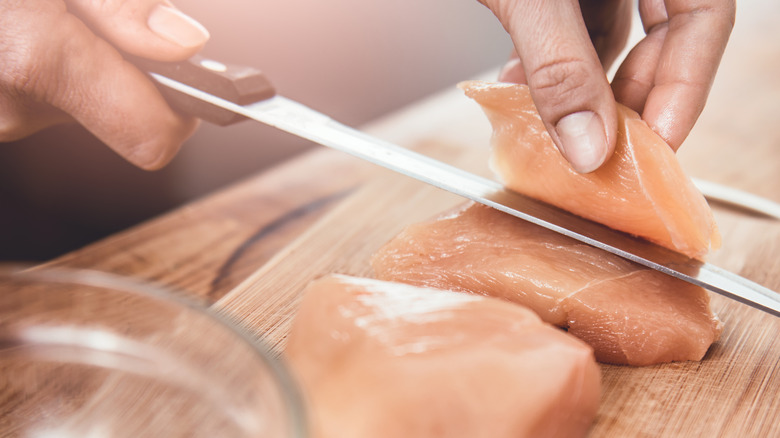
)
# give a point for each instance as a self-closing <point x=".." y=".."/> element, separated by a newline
<point x="224" y="94"/>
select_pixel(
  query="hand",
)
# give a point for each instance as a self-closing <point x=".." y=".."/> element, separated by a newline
<point x="61" y="62"/>
<point x="564" y="47"/>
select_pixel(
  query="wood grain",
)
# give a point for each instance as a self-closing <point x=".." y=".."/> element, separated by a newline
<point x="340" y="242"/>
<point x="733" y="392"/>
<point x="207" y="247"/>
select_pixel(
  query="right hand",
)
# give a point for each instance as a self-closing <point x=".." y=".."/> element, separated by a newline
<point x="61" y="62"/>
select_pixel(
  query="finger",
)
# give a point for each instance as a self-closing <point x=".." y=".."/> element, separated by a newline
<point x="698" y="31"/>
<point x="19" y="117"/>
<point x="635" y="78"/>
<point x="513" y="70"/>
<point x="60" y="62"/>
<point x="152" y="29"/>
<point x="608" y="23"/>
<point x="565" y="77"/>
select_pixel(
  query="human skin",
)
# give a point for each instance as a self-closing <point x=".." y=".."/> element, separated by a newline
<point x="62" y="62"/>
<point x="564" y="47"/>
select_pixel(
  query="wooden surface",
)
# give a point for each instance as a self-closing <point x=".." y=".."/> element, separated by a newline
<point x="251" y="248"/>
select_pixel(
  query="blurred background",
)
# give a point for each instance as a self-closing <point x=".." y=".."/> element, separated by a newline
<point x="354" y="60"/>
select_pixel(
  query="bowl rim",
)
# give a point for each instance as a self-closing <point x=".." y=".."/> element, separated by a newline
<point x="291" y="393"/>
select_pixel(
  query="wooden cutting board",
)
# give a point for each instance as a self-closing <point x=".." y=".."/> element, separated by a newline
<point x="253" y="246"/>
<point x="734" y="391"/>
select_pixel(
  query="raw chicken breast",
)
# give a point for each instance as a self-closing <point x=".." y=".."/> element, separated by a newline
<point x="389" y="360"/>
<point x="641" y="190"/>
<point x="629" y="314"/>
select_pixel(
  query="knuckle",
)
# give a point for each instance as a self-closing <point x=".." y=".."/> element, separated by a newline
<point x="558" y="81"/>
<point x="20" y="58"/>
<point x="28" y="51"/>
<point x="33" y="55"/>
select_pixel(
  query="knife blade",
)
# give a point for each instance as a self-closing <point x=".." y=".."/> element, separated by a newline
<point x="218" y="92"/>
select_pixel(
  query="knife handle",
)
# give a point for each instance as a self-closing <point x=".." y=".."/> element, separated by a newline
<point x="238" y="84"/>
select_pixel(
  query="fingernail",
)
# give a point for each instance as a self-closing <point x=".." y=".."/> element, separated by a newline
<point x="176" y="27"/>
<point x="583" y="140"/>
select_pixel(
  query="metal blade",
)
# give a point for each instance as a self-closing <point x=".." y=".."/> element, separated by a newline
<point x="302" y="121"/>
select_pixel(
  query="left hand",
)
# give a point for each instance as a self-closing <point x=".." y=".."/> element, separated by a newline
<point x="563" y="49"/>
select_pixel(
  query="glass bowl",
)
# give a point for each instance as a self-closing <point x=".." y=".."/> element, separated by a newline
<point x="88" y="354"/>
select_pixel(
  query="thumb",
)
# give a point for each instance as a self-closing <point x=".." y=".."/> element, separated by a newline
<point x="152" y="29"/>
<point x="565" y="77"/>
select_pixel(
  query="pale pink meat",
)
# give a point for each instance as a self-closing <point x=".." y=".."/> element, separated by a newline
<point x="388" y="360"/>
<point x="629" y="314"/>
<point x="641" y="189"/>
